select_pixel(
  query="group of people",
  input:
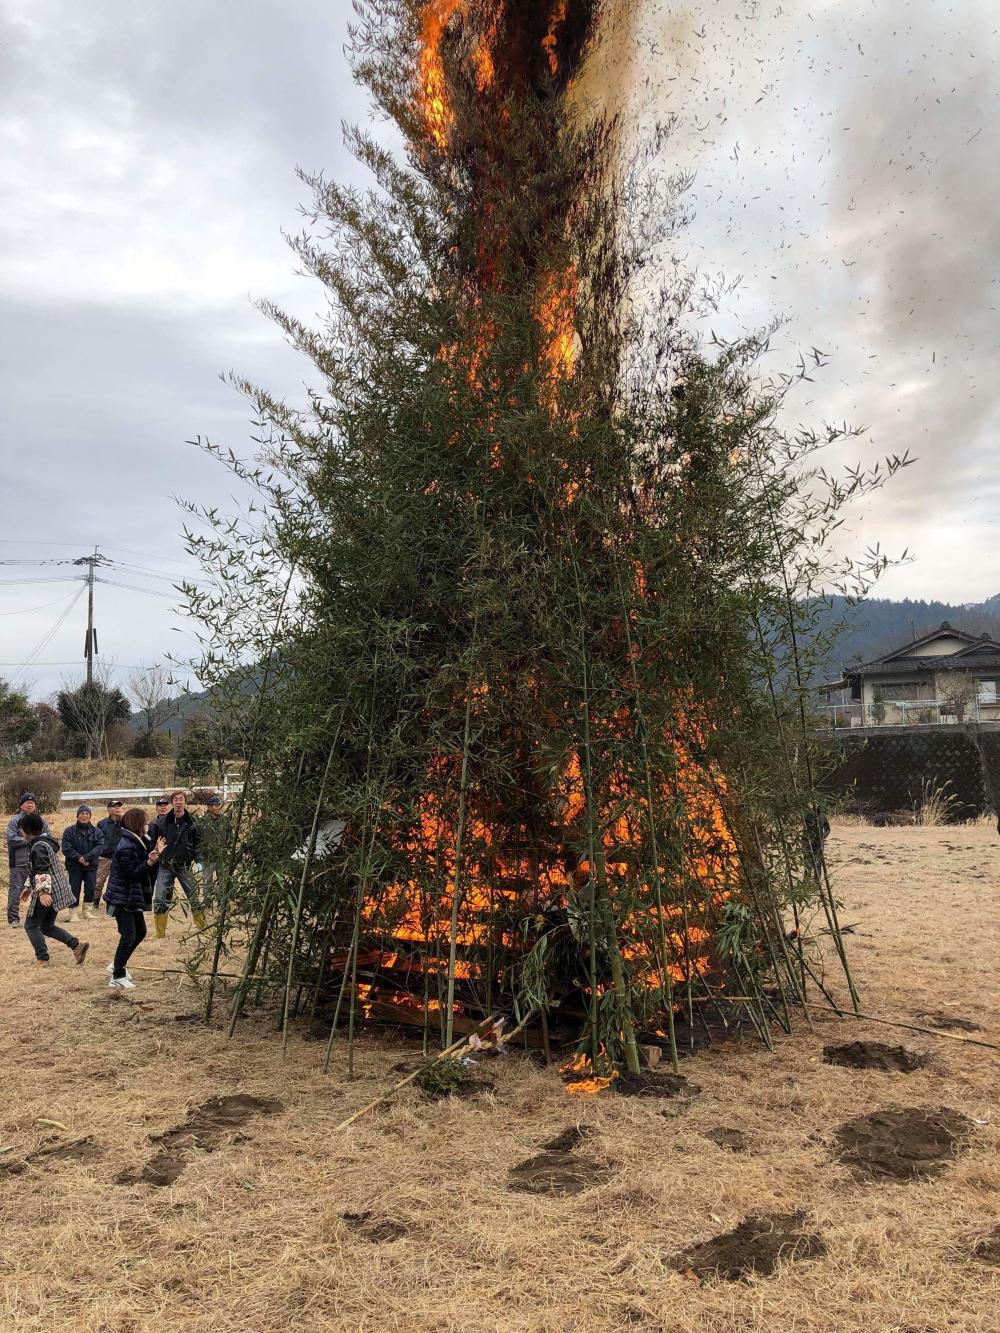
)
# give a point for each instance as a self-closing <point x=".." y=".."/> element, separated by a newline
<point x="127" y="861"/>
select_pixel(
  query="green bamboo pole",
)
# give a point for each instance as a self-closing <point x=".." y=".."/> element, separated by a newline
<point x="248" y="766"/>
<point x="303" y="880"/>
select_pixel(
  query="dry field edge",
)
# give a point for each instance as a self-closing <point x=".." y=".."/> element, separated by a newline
<point x="274" y="1221"/>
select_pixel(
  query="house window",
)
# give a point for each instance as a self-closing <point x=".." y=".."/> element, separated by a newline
<point x="988" y="690"/>
<point x="900" y="690"/>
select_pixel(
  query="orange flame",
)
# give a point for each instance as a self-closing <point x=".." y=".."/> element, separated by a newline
<point x="435" y="17"/>
<point x="550" y="40"/>
<point x="588" y="1085"/>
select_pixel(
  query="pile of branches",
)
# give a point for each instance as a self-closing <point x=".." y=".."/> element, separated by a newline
<point x="524" y="599"/>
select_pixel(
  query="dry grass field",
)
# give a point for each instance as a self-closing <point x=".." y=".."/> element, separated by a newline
<point x="407" y="1221"/>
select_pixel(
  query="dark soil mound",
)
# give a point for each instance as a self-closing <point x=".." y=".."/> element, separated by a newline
<point x="378" y="1230"/>
<point x="650" y="1083"/>
<point x="875" y="1055"/>
<point x="571" y="1137"/>
<point x="755" y="1246"/>
<point x="948" y="1022"/>
<point x="726" y="1137"/>
<point x="903" y="1144"/>
<point x="206" y="1128"/>
<point x="76" y="1150"/>
<point x="988" y="1249"/>
<point x="556" y="1173"/>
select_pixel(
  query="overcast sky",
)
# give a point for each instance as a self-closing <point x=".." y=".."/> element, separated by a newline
<point x="845" y="153"/>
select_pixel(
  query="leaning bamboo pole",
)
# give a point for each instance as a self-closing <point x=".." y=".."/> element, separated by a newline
<point x="241" y="804"/>
<point x="303" y="880"/>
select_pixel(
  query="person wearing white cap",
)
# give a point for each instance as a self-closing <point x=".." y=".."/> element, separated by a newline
<point x="17" y="856"/>
<point x="81" y="846"/>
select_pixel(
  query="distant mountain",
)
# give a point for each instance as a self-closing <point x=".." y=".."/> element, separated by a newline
<point x="879" y="625"/>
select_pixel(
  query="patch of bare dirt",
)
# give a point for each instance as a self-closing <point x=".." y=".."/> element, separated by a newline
<point x="73" y="1150"/>
<point x="988" y="1249"/>
<point x="948" y="1022"/>
<point x="569" y="1138"/>
<point x="755" y="1246"/>
<point x="378" y="1230"/>
<point x="725" y="1136"/>
<point x="205" y="1129"/>
<point x="651" y="1083"/>
<point x="557" y="1172"/>
<point x="903" y="1144"/>
<point x="875" y="1055"/>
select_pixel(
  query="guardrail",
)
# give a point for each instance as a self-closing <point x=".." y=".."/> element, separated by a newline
<point x="139" y="793"/>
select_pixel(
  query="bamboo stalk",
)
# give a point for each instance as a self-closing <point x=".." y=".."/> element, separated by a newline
<point x="666" y="980"/>
<point x="303" y="879"/>
<point x="456" y="894"/>
<point x="915" y="1027"/>
<point x="253" y="953"/>
<point x="241" y="803"/>
<point x="597" y="863"/>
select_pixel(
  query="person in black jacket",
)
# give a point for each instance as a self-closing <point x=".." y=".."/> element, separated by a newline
<point x="111" y="828"/>
<point x="81" y="846"/>
<point x="130" y="891"/>
<point x="182" y="838"/>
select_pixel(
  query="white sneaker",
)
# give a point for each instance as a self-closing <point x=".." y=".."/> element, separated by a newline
<point x="121" y="983"/>
<point x="110" y="969"/>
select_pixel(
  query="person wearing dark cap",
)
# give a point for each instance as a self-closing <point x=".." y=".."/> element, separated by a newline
<point x="111" y="831"/>
<point x="81" y="846"/>
<point x="216" y="835"/>
<point x="17" y="855"/>
<point x="162" y="810"/>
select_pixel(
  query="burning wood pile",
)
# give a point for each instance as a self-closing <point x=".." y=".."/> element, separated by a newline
<point x="544" y="559"/>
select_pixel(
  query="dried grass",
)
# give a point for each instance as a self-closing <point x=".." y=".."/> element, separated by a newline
<point x="251" y="1236"/>
<point x="100" y="774"/>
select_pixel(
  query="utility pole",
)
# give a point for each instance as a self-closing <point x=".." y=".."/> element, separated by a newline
<point x="90" y="642"/>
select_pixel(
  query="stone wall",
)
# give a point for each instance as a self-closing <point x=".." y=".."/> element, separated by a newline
<point x="882" y="771"/>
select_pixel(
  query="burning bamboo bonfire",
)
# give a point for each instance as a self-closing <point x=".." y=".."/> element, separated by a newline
<point x="533" y="651"/>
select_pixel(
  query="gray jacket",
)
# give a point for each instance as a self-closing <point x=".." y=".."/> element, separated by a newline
<point x="17" y="847"/>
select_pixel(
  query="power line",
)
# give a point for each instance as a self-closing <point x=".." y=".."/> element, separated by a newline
<point x="30" y="610"/>
<point x="146" y="573"/>
<point x="64" y="578"/>
<point x="146" y="555"/>
<point x="47" y="638"/>
<point x="108" y="666"/>
<point x="150" y="592"/>
<point x="36" y="562"/>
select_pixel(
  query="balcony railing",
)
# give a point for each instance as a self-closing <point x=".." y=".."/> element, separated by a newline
<point x="912" y="713"/>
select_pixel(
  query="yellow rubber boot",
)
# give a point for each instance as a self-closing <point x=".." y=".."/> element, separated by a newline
<point x="160" y="922"/>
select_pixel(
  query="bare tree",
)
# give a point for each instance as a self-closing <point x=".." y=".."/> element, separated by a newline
<point x="957" y="694"/>
<point x="150" y="689"/>
<point x="88" y="709"/>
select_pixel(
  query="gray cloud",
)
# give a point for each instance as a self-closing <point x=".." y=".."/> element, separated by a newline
<point x="843" y="153"/>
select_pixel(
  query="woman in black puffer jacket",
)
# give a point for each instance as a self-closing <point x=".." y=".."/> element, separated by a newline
<point x="130" y="891"/>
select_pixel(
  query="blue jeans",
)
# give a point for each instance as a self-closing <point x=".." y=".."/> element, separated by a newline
<point x="85" y="876"/>
<point x="18" y="862"/>
<point x="163" y="893"/>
